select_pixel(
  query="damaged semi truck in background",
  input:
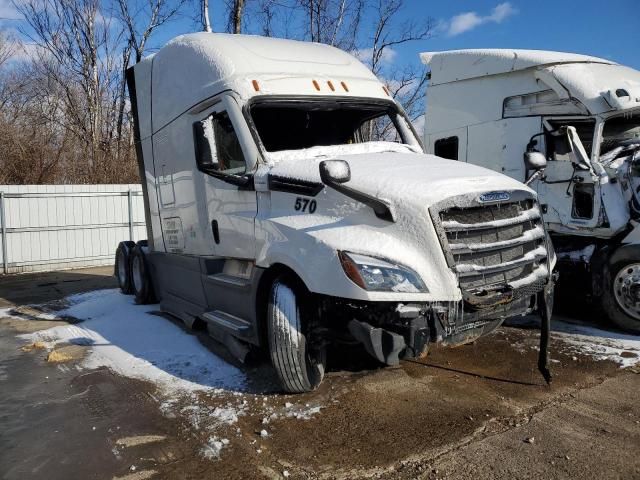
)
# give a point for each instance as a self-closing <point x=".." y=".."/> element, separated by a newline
<point x="569" y="126"/>
<point x="290" y="206"/>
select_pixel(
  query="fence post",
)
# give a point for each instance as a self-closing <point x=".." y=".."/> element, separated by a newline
<point x="129" y="195"/>
<point x="3" y="225"/>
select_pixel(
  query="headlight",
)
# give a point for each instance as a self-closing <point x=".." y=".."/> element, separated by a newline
<point x="379" y="275"/>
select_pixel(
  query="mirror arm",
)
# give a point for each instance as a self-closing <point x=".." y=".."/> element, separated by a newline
<point x="245" y="181"/>
<point x="380" y="208"/>
<point x="535" y="175"/>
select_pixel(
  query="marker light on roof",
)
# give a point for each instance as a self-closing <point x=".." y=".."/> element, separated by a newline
<point x="256" y="86"/>
<point x="316" y="84"/>
<point x="331" y="86"/>
<point x="344" y="85"/>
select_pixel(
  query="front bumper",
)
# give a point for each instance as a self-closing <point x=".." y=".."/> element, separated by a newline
<point x="393" y="331"/>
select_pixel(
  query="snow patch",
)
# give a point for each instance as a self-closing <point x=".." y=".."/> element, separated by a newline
<point x="333" y="151"/>
<point x="128" y="339"/>
<point x="599" y="344"/>
<point x="213" y="447"/>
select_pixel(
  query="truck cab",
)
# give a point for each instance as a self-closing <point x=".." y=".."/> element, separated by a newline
<point x="290" y="205"/>
<point x="580" y="116"/>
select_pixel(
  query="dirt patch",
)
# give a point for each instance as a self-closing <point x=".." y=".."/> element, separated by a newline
<point x="457" y="413"/>
<point x="139" y="440"/>
<point x="66" y="353"/>
<point x="33" y="346"/>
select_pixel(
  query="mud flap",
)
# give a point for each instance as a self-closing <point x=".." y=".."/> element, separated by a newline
<point x="381" y="344"/>
<point x="545" y="305"/>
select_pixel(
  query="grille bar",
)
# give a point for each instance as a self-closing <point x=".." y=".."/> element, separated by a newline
<point x="493" y="246"/>
<point x="528" y="236"/>
<point x="468" y="270"/>
<point x="524" y="216"/>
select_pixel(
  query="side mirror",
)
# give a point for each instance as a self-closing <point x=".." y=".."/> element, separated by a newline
<point x="334" y="171"/>
<point x="206" y="155"/>
<point x="534" y="160"/>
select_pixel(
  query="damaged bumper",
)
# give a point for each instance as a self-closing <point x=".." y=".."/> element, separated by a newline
<point x="409" y="329"/>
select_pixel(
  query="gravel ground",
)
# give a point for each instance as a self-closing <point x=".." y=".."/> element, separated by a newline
<point x="479" y="410"/>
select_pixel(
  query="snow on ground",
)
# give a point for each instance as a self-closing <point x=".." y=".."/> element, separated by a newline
<point x="132" y="342"/>
<point x="599" y="344"/>
<point x="621" y="348"/>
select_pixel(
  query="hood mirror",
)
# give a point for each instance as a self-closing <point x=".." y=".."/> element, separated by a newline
<point x="334" y="171"/>
<point x="534" y="160"/>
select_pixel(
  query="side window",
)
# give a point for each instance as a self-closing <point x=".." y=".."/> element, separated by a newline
<point x="378" y="129"/>
<point x="446" y="148"/>
<point x="217" y="145"/>
<point x="556" y="149"/>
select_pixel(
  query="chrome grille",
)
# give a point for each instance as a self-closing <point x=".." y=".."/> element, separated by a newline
<point x="495" y="245"/>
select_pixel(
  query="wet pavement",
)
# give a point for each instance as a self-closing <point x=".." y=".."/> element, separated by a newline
<point x="479" y="410"/>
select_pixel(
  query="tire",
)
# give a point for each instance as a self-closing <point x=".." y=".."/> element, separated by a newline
<point x="621" y="295"/>
<point x="300" y="366"/>
<point x="141" y="281"/>
<point x="122" y="266"/>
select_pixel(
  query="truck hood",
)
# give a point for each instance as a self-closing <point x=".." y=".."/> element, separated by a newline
<point x="399" y="177"/>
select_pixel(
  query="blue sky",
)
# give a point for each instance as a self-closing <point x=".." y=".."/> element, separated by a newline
<point x="606" y="29"/>
<point x="609" y="29"/>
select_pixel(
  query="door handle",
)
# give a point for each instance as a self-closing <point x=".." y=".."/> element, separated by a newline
<point x="216" y="232"/>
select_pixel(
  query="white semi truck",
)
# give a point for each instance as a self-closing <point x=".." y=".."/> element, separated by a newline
<point x="289" y="205"/>
<point x="580" y="116"/>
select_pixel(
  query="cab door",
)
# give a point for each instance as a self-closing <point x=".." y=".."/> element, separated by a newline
<point x="571" y="194"/>
<point x="225" y="154"/>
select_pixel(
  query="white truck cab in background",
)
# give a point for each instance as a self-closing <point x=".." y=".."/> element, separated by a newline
<point x="580" y="116"/>
<point x="290" y="205"/>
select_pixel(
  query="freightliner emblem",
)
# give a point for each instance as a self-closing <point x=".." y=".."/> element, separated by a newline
<point x="494" y="197"/>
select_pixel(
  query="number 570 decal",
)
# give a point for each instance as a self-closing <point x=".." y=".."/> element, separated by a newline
<point x="305" y="205"/>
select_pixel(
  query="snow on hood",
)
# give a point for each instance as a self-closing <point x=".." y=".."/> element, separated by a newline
<point x="392" y="171"/>
<point x="334" y="151"/>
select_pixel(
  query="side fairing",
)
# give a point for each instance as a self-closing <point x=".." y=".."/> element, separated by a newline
<point x="139" y="83"/>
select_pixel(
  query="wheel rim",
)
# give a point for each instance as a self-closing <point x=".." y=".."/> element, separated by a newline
<point x="136" y="273"/>
<point x="122" y="269"/>
<point x="626" y="289"/>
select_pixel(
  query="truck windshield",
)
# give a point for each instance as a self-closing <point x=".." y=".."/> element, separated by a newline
<point x="295" y="125"/>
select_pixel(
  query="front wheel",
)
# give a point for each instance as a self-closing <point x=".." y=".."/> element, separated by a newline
<point x="621" y="297"/>
<point x="300" y="364"/>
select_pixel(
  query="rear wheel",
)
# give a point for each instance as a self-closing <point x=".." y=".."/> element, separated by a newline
<point x="300" y="364"/>
<point x="141" y="281"/>
<point x="122" y="268"/>
<point x="621" y="298"/>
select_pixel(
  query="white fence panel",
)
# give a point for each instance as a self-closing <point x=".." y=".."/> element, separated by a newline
<point x="53" y="227"/>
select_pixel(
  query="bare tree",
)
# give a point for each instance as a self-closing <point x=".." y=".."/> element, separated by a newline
<point x="7" y="47"/>
<point x="206" y="20"/>
<point x="235" y="18"/>
<point x="334" y="22"/>
<point x="140" y="19"/>
<point x="407" y="85"/>
<point x="76" y="44"/>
